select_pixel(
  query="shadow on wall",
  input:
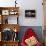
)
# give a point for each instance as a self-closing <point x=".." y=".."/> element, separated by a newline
<point x="37" y="29"/>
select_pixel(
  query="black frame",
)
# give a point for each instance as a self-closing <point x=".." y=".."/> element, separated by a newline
<point x="30" y="13"/>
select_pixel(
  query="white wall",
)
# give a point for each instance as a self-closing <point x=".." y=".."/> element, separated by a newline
<point x="25" y="5"/>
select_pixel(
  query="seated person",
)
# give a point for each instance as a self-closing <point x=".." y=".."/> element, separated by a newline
<point x="30" y="39"/>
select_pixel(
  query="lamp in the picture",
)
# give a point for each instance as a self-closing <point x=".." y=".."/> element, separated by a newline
<point x="15" y="3"/>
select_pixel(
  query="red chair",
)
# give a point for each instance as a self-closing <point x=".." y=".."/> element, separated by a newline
<point x="29" y="33"/>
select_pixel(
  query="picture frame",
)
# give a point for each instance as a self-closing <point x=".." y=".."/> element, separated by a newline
<point x="5" y="12"/>
<point x="30" y="13"/>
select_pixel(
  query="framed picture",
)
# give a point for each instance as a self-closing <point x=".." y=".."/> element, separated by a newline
<point x="30" y="13"/>
<point x="5" y="12"/>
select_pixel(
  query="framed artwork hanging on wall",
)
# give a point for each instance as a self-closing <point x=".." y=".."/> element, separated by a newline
<point x="30" y="13"/>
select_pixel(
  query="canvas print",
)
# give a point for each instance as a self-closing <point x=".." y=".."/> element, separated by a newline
<point x="30" y="13"/>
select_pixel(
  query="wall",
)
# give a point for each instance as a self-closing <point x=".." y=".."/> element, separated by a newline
<point x="32" y="4"/>
<point x="24" y="5"/>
